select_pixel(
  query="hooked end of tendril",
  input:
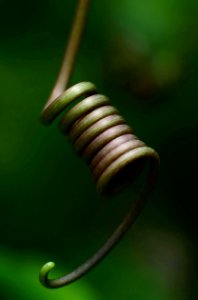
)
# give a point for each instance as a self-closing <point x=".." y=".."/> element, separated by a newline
<point x="43" y="275"/>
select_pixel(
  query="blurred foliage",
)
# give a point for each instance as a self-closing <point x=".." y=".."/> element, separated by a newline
<point x="143" y="55"/>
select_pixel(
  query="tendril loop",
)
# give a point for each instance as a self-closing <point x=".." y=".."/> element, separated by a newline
<point x="100" y="135"/>
<point x="113" y="152"/>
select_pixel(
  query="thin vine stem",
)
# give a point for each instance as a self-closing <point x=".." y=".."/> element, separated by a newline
<point x="71" y="51"/>
<point x="58" y="101"/>
<point x="118" y="234"/>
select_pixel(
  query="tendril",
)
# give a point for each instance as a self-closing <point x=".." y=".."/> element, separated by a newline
<point x="101" y="136"/>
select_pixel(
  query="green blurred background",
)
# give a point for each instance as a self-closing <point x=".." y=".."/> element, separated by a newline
<point x="143" y="55"/>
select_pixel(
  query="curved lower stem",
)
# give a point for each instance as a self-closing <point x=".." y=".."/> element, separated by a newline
<point x="112" y="241"/>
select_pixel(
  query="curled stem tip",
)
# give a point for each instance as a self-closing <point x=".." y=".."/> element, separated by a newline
<point x="121" y="230"/>
<point x="43" y="276"/>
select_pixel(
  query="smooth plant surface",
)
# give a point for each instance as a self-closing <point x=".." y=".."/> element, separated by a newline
<point x="100" y="135"/>
<point x="144" y="57"/>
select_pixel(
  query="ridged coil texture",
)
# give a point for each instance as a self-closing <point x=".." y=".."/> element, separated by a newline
<point x="100" y="136"/>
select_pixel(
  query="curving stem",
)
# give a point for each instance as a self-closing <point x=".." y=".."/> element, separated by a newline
<point x="150" y="154"/>
<point x="114" y="239"/>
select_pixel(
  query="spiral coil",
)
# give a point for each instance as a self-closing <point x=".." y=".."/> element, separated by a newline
<point x="100" y="135"/>
<point x="115" y="156"/>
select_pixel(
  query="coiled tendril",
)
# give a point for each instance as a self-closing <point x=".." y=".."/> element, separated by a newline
<point x="101" y="136"/>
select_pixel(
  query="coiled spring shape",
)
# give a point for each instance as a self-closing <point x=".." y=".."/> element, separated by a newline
<point x="101" y="136"/>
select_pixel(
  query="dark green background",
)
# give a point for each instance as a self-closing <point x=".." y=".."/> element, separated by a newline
<point x="143" y="55"/>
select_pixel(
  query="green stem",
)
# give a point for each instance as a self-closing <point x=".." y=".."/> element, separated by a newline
<point x="121" y="230"/>
<point x="71" y="51"/>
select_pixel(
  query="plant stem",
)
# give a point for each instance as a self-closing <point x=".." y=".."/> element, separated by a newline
<point x="71" y="51"/>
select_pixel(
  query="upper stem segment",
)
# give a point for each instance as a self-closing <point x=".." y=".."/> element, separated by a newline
<point x="71" y="51"/>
